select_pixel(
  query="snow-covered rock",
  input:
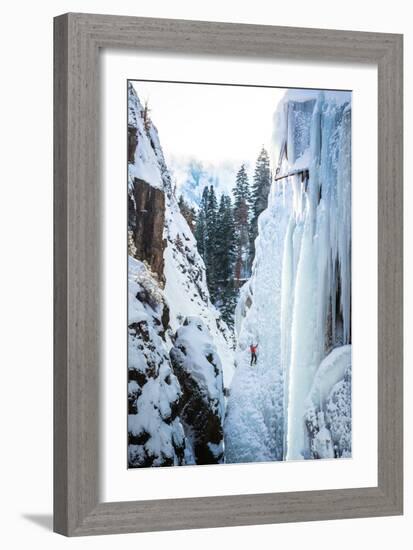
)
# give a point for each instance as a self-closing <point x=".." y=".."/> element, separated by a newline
<point x="198" y="368"/>
<point x="186" y="289"/>
<point x="328" y="406"/>
<point x="182" y="270"/>
<point x="155" y="433"/>
<point x="167" y="284"/>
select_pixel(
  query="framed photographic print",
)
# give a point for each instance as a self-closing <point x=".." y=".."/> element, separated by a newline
<point x="228" y="274"/>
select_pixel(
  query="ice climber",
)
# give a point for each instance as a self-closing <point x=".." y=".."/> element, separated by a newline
<point x="253" y="350"/>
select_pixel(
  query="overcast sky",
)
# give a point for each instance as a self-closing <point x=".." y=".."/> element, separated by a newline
<point x="218" y="125"/>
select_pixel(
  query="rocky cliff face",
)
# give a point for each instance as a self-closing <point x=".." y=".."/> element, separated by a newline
<point x="146" y="214"/>
<point x="175" y="416"/>
<point x="146" y="197"/>
<point x="198" y="368"/>
<point x="155" y="433"/>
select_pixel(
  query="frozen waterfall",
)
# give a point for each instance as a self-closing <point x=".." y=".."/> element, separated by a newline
<point x="297" y="304"/>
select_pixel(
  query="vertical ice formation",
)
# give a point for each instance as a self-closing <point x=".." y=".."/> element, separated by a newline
<point x="328" y="406"/>
<point x="297" y="302"/>
<point x="317" y="305"/>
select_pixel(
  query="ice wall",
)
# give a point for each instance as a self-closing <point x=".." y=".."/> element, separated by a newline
<point x="317" y="271"/>
<point x="297" y="304"/>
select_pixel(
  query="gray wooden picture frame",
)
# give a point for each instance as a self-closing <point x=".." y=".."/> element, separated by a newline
<point x="78" y="38"/>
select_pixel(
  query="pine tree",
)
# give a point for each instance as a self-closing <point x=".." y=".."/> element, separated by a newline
<point x="241" y="191"/>
<point x="212" y="209"/>
<point x="201" y="226"/>
<point x="206" y="237"/>
<point x="259" y="195"/>
<point x="187" y="212"/>
<point x="146" y="117"/>
<point x="215" y="235"/>
<point x="204" y="199"/>
<point x="211" y="225"/>
<point x="225" y="257"/>
<point x="241" y="220"/>
<point x="225" y="239"/>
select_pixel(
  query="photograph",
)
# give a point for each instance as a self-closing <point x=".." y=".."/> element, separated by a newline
<point x="239" y="273"/>
<point x="206" y="230"/>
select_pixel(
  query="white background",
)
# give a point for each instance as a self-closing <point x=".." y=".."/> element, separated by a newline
<point x="26" y="275"/>
<point x="118" y="483"/>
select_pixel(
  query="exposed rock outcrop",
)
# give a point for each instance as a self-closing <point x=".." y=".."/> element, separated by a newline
<point x="146" y="215"/>
<point x="132" y="142"/>
<point x="155" y="433"/>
